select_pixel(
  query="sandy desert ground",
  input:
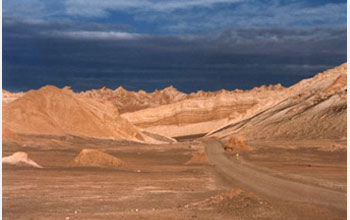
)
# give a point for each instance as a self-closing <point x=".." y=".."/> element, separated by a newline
<point x="158" y="184"/>
<point x="267" y="153"/>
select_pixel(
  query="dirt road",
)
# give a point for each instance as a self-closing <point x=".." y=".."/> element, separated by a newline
<point x="262" y="183"/>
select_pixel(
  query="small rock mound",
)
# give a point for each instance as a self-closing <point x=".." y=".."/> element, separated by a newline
<point x="96" y="158"/>
<point x="199" y="158"/>
<point x="233" y="194"/>
<point x="20" y="159"/>
<point x="242" y="204"/>
<point x="236" y="144"/>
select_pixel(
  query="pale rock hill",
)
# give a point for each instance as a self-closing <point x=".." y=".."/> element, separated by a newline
<point x="8" y="97"/>
<point x="204" y="111"/>
<point x="129" y="101"/>
<point x="54" y="111"/>
<point x="314" y="108"/>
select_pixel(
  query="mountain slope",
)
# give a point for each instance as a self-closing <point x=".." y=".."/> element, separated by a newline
<point x="202" y="114"/>
<point x="129" y="101"/>
<point x="8" y="97"/>
<point x="313" y="109"/>
<point x="54" y="111"/>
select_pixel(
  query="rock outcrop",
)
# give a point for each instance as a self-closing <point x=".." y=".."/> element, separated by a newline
<point x="96" y="158"/>
<point x="20" y="159"/>
<point x="199" y="158"/>
<point x="237" y="144"/>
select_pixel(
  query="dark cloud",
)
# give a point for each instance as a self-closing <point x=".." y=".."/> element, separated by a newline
<point x="39" y="53"/>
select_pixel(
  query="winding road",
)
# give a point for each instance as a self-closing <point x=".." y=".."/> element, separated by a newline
<point x="262" y="183"/>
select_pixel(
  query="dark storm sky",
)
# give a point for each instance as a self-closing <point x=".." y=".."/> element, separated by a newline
<point x="151" y="44"/>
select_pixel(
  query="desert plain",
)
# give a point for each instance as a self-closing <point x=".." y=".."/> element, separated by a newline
<point x="266" y="153"/>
